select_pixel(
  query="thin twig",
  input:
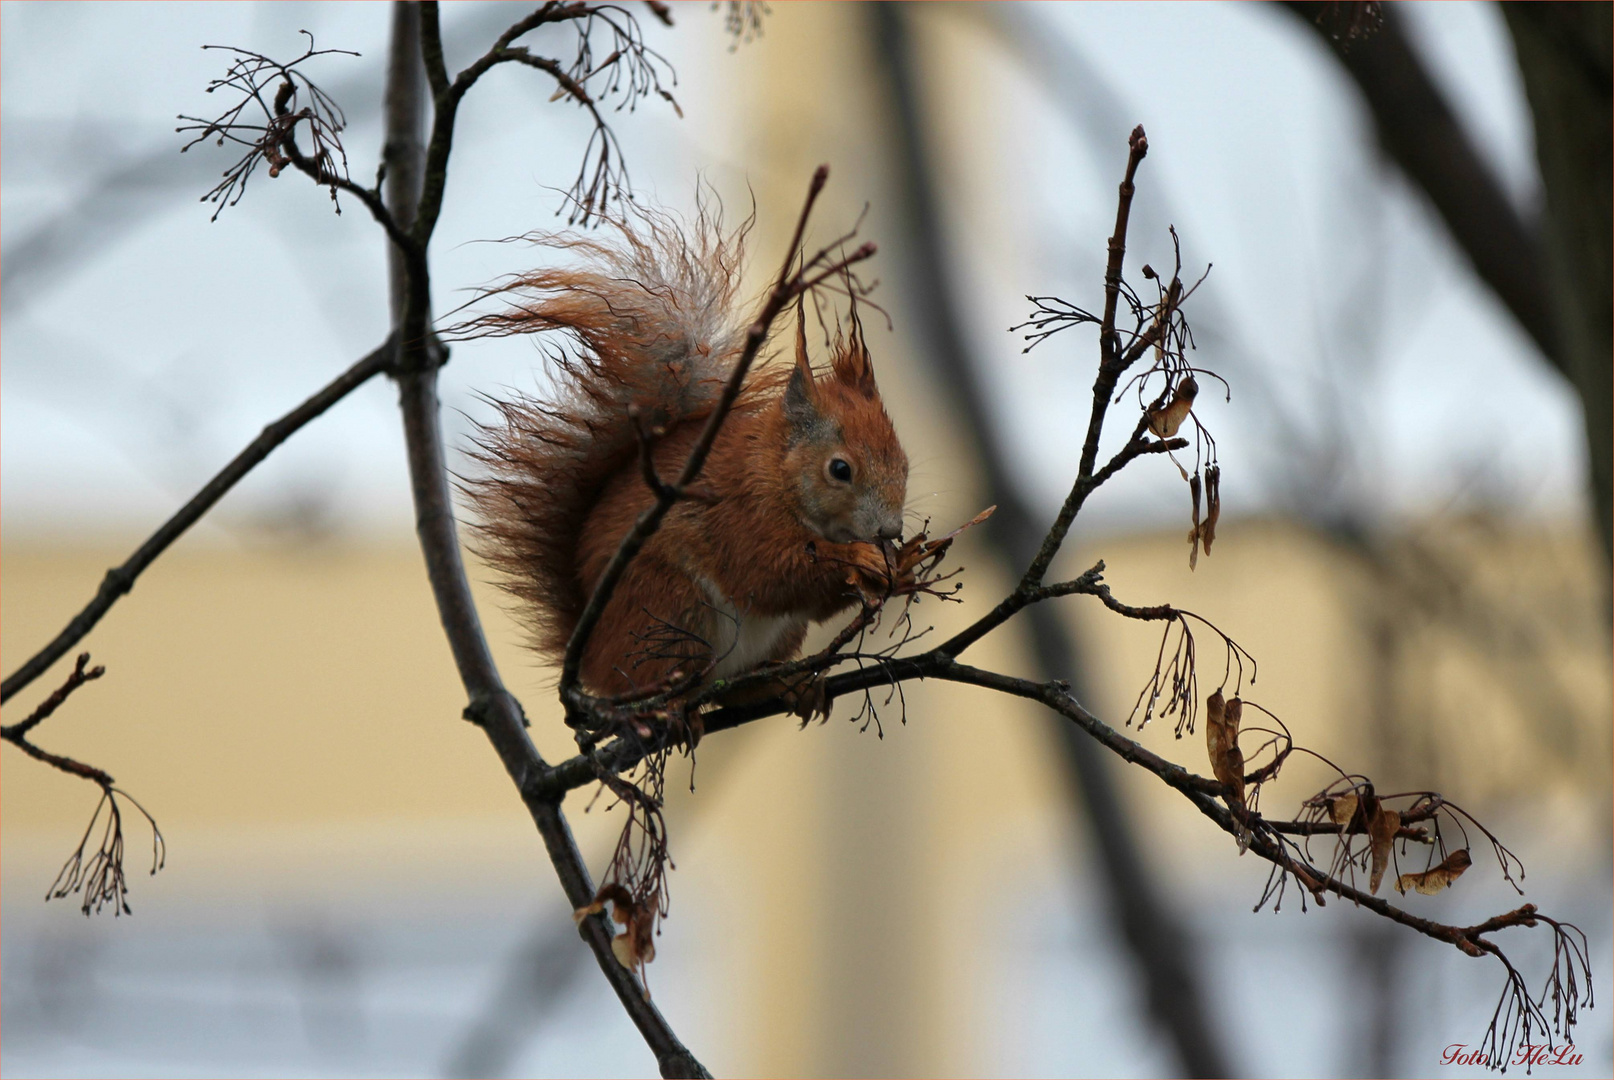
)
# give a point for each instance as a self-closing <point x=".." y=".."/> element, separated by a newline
<point x="80" y="675"/>
<point x="1108" y="369"/>
<point x="56" y="761"/>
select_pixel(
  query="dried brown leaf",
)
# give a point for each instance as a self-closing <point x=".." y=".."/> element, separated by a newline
<point x="1222" y="739"/>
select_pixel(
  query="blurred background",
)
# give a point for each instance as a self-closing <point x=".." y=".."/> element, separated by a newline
<point x="1414" y="545"/>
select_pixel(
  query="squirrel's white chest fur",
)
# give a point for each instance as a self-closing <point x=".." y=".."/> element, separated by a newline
<point x="740" y="640"/>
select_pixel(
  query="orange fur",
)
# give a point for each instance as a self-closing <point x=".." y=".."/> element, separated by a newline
<point x="806" y="473"/>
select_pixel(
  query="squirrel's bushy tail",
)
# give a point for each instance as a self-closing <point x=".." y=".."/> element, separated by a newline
<point x="651" y="321"/>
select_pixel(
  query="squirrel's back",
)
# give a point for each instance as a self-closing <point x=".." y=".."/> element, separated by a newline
<point x="651" y="317"/>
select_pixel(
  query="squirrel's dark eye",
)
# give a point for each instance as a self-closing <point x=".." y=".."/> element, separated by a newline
<point x="840" y="470"/>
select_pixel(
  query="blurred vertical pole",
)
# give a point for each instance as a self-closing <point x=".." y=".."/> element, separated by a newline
<point x="1159" y="945"/>
<point x="1380" y="951"/>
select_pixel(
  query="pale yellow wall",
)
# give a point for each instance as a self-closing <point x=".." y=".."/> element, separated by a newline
<point x="262" y="686"/>
<point x="292" y="719"/>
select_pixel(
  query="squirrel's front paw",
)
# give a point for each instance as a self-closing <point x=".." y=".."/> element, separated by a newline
<point x="873" y="568"/>
<point x="870" y="562"/>
<point x="808" y="699"/>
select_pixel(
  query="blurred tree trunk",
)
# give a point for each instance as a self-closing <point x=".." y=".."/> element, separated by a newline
<point x="1162" y="949"/>
<point x="1564" y="53"/>
<point x="1553" y="275"/>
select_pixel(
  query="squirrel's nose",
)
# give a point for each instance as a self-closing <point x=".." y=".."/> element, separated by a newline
<point x="891" y="530"/>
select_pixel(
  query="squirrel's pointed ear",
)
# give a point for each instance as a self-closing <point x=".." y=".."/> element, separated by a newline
<point x="802" y="363"/>
<point x="801" y="392"/>
<point x="852" y="364"/>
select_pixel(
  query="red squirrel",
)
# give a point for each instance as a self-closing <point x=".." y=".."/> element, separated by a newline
<point x="805" y="481"/>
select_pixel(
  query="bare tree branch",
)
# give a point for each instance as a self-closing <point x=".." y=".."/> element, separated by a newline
<point x="491" y="706"/>
<point x="631" y="69"/>
<point x="414" y="192"/>
<point x="1202" y="791"/>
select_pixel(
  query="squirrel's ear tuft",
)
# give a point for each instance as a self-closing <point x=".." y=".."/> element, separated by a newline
<point x="801" y="392"/>
<point x="852" y="364"/>
<point x="802" y="363"/>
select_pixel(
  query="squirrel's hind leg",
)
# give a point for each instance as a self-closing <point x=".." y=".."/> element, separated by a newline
<point x="657" y="627"/>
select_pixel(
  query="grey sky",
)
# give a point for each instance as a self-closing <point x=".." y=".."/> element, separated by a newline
<point x="132" y="373"/>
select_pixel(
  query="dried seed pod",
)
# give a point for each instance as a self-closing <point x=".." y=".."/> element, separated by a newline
<point x="1165" y="421"/>
<point x="1309" y="880"/>
<point x="1381" y="830"/>
<point x="1438" y="877"/>
<point x="619" y="898"/>
<point x="635" y="946"/>
<point x="1215" y="710"/>
<point x="1233" y="717"/>
<point x="1222" y="740"/>
<point x="1342" y="810"/>
<point x="1213" y="506"/>
<point x="1227" y="760"/>
<point x="1193" y="533"/>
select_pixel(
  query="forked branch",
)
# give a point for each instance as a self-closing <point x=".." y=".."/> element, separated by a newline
<point x="98" y="875"/>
